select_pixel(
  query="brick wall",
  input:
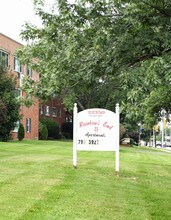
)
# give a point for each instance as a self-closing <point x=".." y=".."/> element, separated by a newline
<point x="9" y="46"/>
<point x="53" y="109"/>
<point x="36" y="111"/>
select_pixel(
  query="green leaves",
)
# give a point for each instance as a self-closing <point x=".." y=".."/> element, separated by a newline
<point x="125" y="43"/>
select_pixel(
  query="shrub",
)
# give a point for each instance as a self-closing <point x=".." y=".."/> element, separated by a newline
<point x="134" y="135"/>
<point x="67" y="130"/>
<point x="21" y="132"/>
<point x="43" y="131"/>
<point x="52" y="127"/>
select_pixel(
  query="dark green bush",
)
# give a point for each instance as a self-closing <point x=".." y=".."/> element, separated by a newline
<point x="43" y="131"/>
<point x="21" y="132"/>
<point x="67" y="130"/>
<point x="52" y="127"/>
<point x="65" y="136"/>
<point x="134" y="135"/>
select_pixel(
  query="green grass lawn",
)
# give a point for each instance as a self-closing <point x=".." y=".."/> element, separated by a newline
<point x="37" y="182"/>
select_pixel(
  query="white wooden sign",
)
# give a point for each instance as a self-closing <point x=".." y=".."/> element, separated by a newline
<point x="96" y="129"/>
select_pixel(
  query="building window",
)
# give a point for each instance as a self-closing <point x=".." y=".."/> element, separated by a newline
<point x="16" y="126"/>
<point x="17" y="65"/>
<point x="29" y="71"/>
<point x="28" y="125"/>
<point x="60" y="113"/>
<point x="54" y="112"/>
<point x="21" y="79"/>
<point x="47" y="110"/>
<point x="4" y="56"/>
<point x="68" y="118"/>
<point x="41" y="109"/>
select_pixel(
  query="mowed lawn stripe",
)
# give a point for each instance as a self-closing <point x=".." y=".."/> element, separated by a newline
<point x="25" y="176"/>
<point x="39" y="182"/>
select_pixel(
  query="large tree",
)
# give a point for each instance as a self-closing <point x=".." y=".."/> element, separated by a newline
<point x="117" y="47"/>
<point x="9" y="105"/>
<point x="144" y="49"/>
<point x="71" y="51"/>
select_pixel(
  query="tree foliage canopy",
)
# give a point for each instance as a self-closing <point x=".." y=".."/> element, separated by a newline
<point x="103" y="52"/>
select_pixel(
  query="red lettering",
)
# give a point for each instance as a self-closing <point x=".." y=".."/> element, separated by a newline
<point x="106" y="125"/>
<point x="87" y="123"/>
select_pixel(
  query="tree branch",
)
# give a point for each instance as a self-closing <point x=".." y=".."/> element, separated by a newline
<point x="163" y="11"/>
<point x="148" y="56"/>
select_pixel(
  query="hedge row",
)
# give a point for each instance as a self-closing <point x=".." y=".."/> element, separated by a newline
<point x="49" y="129"/>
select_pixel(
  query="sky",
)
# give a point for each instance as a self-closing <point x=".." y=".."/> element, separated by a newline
<point x="14" y="13"/>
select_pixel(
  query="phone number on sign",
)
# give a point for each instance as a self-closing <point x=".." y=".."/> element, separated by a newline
<point x="90" y="142"/>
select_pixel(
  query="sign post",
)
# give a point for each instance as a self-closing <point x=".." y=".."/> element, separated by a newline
<point x="117" y="139"/>
<point x="96" y="129"/>
<point x="75" y="137"/>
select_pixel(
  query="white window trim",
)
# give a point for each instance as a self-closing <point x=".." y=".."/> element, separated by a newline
<point x="17" y="65"/>
<point x="29" y="71"/>
<point x="47" y="113"/>
<point x="16" y="127"/>
<point x="41" y="109"/>
<point x="6" y="57"/>
<point x="28" y="125"/>
<point x="54" y="115"/>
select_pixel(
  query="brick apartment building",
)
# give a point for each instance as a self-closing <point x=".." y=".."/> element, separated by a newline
<point x="52" y="109"/>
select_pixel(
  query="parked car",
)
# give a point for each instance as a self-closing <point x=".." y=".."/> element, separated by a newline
<point x="158" y="144"/>
<point x="168" y="144"/>
<point x="142" y="143"/>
